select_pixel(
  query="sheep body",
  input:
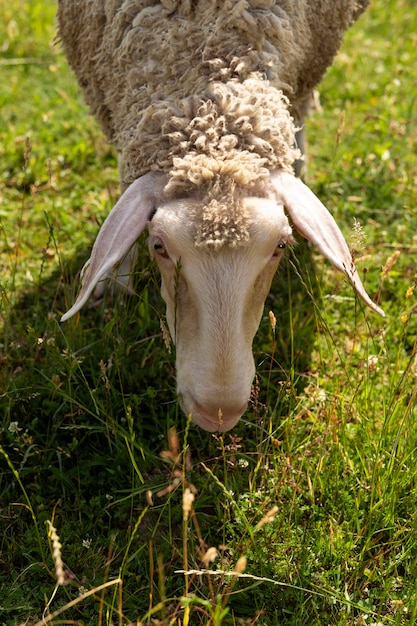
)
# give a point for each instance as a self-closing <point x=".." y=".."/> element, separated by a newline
<point x="160" y="75"/>
<point x="203" y="100"/>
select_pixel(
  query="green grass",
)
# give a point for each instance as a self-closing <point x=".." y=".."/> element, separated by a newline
<point x="316" y="487"/>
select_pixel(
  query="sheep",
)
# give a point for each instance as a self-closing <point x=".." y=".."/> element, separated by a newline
<point x="203" y="100"/>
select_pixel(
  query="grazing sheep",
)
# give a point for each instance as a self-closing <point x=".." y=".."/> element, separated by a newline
<point x="203" y="99"/>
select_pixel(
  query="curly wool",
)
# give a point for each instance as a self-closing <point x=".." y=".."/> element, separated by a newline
<point x="208" y="91"/>
<point x="240" y="131"/>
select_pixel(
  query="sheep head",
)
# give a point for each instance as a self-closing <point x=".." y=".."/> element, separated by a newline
<point x="215" y="297"/>
<point x="215" y="287"/>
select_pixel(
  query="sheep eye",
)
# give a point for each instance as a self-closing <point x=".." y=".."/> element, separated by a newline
<point x="280" y="247"/>
<point x="159" y="248"/>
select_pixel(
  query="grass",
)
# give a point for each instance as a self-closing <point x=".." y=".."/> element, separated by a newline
<point x="305" y="513"/>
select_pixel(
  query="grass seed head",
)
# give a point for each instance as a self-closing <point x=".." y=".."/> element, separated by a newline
<point x="273" y="321"/>
<point x="240" y="566"/>
<point x="187" y="502"/>
<point x="358" y="236"/>
<point x="165" y="335"/>
<point x="220" y="417"/>
<point x="173" y="454"/>
<point x="209" y="556"/>
<point x="391" y="261"/>
<point x="56" y="554"/>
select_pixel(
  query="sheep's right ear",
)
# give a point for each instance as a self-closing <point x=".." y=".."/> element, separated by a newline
<point x="315" y="223"/>
<point x="119" y="232"/>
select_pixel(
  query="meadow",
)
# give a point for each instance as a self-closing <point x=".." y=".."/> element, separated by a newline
<point x="114" y="509"/>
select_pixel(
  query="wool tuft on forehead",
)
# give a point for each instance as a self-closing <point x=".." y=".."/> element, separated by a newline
<point x="222" y="220"/>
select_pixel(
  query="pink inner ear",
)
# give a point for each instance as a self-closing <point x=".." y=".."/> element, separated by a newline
<point x="315" y="223"/>
<point x="119" y="232"/>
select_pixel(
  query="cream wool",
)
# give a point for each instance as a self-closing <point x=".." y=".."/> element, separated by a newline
<point x="174" y="84"/>
<point x="203" y="100"/>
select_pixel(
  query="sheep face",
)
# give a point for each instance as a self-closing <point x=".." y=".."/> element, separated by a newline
<point x="214" y="300"/>
<point x="216" y="267"/>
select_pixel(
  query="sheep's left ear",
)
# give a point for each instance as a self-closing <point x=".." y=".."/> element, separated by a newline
<point x="311" y="218"/>
<point x="119" y="232"/>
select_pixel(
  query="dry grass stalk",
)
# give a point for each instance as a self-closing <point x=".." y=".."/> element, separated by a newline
<point x="269" y="517"/>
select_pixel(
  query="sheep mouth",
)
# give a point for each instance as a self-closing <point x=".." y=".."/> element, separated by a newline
<point x="212" y="420"/>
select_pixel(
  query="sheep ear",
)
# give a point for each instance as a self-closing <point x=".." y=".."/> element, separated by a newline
<point x="311" y="218"/>
<point x="119" y="232"/>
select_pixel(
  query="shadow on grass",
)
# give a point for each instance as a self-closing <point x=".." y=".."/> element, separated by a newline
<point x="87" y="407"/>
<point x="113" y="357"/>
<point x="109" y="370"/>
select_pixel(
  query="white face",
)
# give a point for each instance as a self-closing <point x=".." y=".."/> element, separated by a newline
<point x="215" y="300"/>
<point x="214" y="296"/>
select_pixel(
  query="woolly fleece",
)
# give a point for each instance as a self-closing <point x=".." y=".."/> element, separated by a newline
<point x="206" y="91"/>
